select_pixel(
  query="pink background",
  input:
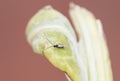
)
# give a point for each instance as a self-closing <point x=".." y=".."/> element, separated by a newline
<point x="17" y="60"/>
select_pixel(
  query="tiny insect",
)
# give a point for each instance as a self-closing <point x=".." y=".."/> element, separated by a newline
<point x="56" y="45"/>
<point x="59" y="46"/>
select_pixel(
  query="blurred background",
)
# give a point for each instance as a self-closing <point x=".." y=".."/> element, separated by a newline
<point x="17" y="60"/>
